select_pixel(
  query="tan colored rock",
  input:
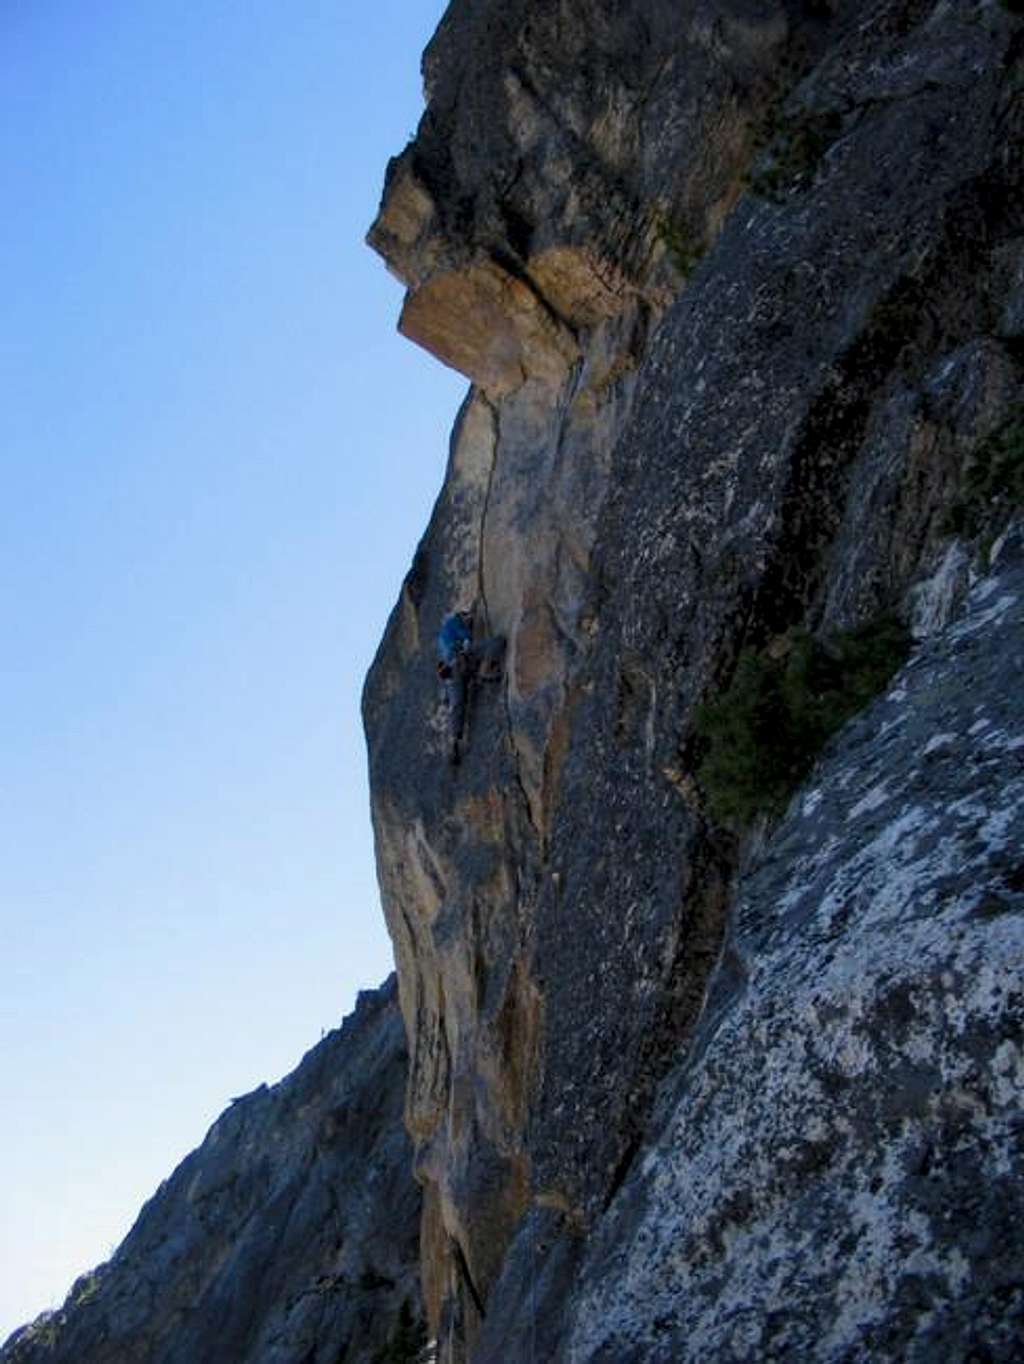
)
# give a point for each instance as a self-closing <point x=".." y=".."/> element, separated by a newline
<point x="540" y="275"/>
<point x="404" y="228"/>
<point x="519" y="513"/>
<point x="489" y="325"/>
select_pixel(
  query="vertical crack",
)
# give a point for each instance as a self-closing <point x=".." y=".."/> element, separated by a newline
<point x="462" y="1265"/>
<point x="506" y="703"/>
<point x="480" y="581"/>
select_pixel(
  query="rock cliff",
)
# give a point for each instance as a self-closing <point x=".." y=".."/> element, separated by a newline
<point x="709" y="949"/>
<point x="739" y="288"/>
<point x="834" y="1162"/>
<point x="291" y="1236"/>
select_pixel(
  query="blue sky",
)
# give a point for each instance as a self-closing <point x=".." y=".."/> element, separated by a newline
<point x="217" y="458"/>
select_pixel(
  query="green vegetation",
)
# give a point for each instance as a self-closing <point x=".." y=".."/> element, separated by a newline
<point x="45" y="1330"/>
<point x="992" y="486"/>
<point x="407" y="1342"/>
<point x="84" y="1289"/>
<point x="684" y="249"/>
<point x="793" y="145"/>
<point x="765" y="731"/>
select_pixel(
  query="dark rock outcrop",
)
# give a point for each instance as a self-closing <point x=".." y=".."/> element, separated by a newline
<point x="291" y="1236"/>
<point x="738" y="287"/>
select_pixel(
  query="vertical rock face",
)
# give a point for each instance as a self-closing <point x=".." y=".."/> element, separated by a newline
<point x="291" y="1236"/>
<point x="738" y="290"/>
<point x="837" y="1172"/>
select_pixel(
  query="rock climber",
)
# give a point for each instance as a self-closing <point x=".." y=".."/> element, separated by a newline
<point x="460" y="662"/>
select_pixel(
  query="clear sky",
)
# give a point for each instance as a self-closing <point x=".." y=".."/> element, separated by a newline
<point x="217" y="458"/>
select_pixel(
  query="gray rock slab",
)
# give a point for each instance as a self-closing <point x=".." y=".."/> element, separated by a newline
<point x="840" y="1170"/>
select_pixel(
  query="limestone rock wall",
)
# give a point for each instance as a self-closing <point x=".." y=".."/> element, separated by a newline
<point x="738" y="290"/>
<point x="291" y="1236"/>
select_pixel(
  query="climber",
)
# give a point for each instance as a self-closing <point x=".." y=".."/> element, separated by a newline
<point x="460" y="662"/>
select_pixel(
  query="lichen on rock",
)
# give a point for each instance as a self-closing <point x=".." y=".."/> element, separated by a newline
<point x="838" y="1170"/>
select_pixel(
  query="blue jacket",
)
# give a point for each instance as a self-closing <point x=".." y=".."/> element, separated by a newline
<point x="454" y="635"/>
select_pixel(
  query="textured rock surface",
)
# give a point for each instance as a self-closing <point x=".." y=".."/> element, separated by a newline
<point x="839" y="1170"/>
<point x="291" y="1236"/>
<point x="738" y="290"/>
<point x="738" y="284"/>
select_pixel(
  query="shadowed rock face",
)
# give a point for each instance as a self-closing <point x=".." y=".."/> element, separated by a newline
<point x="837" y="1167"/>
<point x="738" y="288"/>
<point x="291" y="1236"/>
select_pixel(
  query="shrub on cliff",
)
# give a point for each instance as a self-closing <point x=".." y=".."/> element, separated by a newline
<point x="763" y="734"/>
<point x="684" y="249"/>
<point x="992" y="486"/>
